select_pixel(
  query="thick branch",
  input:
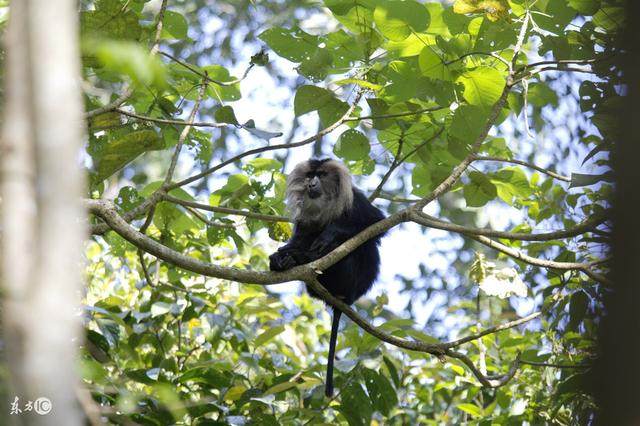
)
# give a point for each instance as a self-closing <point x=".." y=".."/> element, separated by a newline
<point x="107" y="212"/>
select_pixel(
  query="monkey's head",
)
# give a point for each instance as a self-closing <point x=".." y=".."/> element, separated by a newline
<point x="319" y="191"/>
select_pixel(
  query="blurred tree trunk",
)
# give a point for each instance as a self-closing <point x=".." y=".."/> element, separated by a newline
<point x="41" y="185"/>
<point x="618" y="372"/>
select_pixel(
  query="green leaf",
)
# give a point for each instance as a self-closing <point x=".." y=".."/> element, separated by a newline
<point x="317" y="66"/>
<point x="352" y="145"/>
<point x="578" y="179"/>
<point x="292" y="44"/>
<point x="269" y="334"/>
<point x="586" y="7"/>
<point x="226" y="93"/>
<point x="421" y="180"/>
<point x="511" y="182"/>
<point x="258" y="165"/>
<point x="577" y="309"/>
<point x="160" y="308"/>
<point x="110" y="21"/>
<point x="397" y="19"/>
<point x="540" y="95"/>
<point x="311" y="98"/>
<point x="250" y="127"/>
<point x="280" y="387"/>
<point x="175" y="25"/>
<point x="129" y="58"/>
<point x="225" y="114"/>
<point x="432" y="65"/>
<point x="355" y="405"/>
<point x="383" y="395"/>
<point x="609" y="18"/>
<point x="479" y="191"/>
<point x="234" y="183"/>
<point x="111" y="156"/>
<point x="482" y="86"/>
<point x="494" y="9"/>
<point x="332" y="112"/>
<point x="280" y="231"/>
<point x="474" y="410"/>
<point x="468" y="123"/>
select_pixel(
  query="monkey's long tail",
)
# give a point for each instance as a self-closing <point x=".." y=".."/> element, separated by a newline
<point x="332" y="350"/>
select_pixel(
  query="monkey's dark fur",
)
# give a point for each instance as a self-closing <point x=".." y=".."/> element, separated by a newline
<point x="327" y="211"/>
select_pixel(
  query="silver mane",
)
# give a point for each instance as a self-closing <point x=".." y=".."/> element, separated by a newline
<point x="337" y="193"/>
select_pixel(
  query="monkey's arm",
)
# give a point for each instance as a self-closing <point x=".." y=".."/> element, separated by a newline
<point x="295" y="252"/>
<point x="362" y="215"/>
<point x="331" y="237"/>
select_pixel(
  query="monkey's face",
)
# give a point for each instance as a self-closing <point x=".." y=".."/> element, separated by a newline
<point x="315" y="184"/>
<point x="319" y="190"/>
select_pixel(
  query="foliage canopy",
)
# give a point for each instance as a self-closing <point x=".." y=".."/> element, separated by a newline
<point x="477" y="104"/>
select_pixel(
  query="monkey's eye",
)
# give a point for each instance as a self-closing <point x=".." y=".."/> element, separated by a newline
<point x="321" y="174"/>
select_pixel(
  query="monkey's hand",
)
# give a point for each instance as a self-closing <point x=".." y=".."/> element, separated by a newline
<point x="281" y="261"/>
<point x="322" y="245"/>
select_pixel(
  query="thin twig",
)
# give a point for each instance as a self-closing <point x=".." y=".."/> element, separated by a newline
<point x="165" y="121"/>
<point x="183" y="137"/>
<point x="524" y="163"/>
<point x="397" y="162"/>
<point x="492" y="330"/>
<point x="400" y="114"/>
<point x="552" y="365"/>
<point x="491" y="54"/>
<point x="226" y="210"/>
<point x="203" y="75"/>
<point x="579" y="229"/>
<point x="254" y="151"/>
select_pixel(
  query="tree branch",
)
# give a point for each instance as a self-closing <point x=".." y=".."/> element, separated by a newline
<point x="183" y="137"/>
<point x="524" y="163"/>
<point x="546" y="364"/>
<point x="491" y="54"/>
<point x="165" y="121"/>
<point x="398" y="161"/>
<point x="400" y="114"/>
<point x="226" y="210"/>
<point x="492" y="330"/>
<point x="581" y="228"/>
<point x="254" y="151"/>
<point x="204" y="76"/>
<point x="487" y="381"/>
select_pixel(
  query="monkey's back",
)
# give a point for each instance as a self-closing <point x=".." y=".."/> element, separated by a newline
<point x="354" y="275"/>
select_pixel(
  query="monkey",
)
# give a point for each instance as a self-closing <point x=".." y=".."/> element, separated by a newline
<point x="327" y="210"/>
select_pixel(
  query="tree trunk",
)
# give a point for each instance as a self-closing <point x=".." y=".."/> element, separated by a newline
<point x="42" y="219"/>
